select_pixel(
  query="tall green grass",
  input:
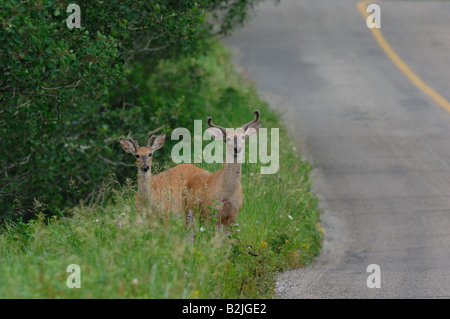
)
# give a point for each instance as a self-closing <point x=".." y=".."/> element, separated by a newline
<point x="122" y="254"/>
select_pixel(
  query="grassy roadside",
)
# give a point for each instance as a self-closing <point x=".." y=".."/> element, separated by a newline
<point x="122" y="255"/>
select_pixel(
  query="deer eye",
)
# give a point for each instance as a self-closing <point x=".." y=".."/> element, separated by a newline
<point x="137" y="156"/>
<point x="149" y="154"/>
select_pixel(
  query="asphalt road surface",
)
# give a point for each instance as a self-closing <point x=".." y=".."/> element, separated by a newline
<point x="381" y="144"/>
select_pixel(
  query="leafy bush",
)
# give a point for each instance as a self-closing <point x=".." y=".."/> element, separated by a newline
<point x="67" y="95"/>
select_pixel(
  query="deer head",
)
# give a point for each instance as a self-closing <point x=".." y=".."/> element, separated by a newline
<point x="235" y="139"/>
<point x="143" y="154"/>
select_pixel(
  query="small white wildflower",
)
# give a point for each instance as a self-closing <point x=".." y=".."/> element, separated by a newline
<point x="96" y="221"/>
<point x="294" y="148"/>
<point x="122" y="214"/>
<point x="251" y="174"/>
<point x="202" y="229"/>
<point x="290" y="217"/>
<point x="135" y="281"/>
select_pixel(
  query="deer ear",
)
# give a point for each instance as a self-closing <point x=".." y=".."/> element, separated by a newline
<point x="159" y="142"/>
<point x="252" y="129"/>
<point x="216" y="133"/>
<point x="127" y="146"/>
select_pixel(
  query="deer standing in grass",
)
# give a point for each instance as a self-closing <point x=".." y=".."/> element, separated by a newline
<point x="187" y="187"/>
<point x="144" y="156"/>
<point x="222" y="190"/>
<point x="160" y="194"/>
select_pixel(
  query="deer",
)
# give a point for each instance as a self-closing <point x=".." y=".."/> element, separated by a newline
<point x="220" y="191"/>
<point x="160" y="194"/>
<point x="186" y="188"/>
<point x="144" y="156"/>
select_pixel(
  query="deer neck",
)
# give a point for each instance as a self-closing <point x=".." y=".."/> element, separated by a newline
<point x="231" y="175"/>
<point x="145" y="188"/>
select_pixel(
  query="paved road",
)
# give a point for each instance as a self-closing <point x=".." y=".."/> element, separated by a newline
<point x="382" y="145"/>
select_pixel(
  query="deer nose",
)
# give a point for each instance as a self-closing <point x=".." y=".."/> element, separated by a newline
<point x="145" y="168"/>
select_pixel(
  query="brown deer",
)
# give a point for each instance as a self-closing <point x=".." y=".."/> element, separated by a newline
<point x="160" y="194"/>
<point x="144" y="156"/>
<point x="187" y="187"/>
<point x="220" y="191"/>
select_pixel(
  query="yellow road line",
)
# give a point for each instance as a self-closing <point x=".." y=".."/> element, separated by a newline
<point x="413" y="77"/>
